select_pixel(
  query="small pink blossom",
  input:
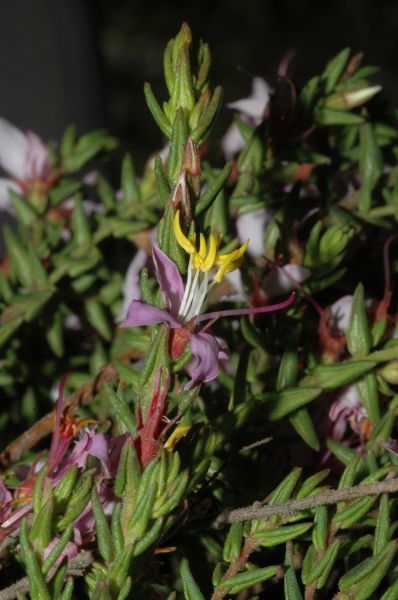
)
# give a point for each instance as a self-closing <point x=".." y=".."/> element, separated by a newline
<point x="251" y="110"/>
<point x="25" y="160"/>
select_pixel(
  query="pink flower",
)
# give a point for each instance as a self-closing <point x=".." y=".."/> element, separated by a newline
<point x="347" y="410"/>
<point x="251" y="110"/>
<point x="181" y="313"/>
<point x="24" y="158"/>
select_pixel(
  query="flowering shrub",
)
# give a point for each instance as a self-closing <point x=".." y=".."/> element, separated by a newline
<point x="229" y="333"/>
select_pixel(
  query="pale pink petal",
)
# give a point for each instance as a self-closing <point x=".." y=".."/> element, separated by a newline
<point x="169" y="279"/>
<point x="232" y="142"/>
<point x="131" y="285"/>
<point x="251" y="226"/>
<point x="37" y="160"/>
<point x="340" y="314"/>
<point x="13" y="149"/>
<point x="5" y="186"/>
<point x="254" y="105"/>
<point x="282" y="280"/>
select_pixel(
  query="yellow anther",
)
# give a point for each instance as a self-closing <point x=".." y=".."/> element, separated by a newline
<point x="184" y="242"/>
<point x="234" y="255"/>
<point x="202" y="246"/>
<point x="176" y="435"/>
<point x="230" y="262"/>
<point x="210" y="259"/>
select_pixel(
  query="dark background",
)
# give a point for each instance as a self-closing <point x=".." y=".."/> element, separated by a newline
<point x="81" y="61"/>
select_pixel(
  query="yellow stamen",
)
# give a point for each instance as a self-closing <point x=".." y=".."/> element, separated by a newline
<point x="184" y="242"/>
<point x="210" y="259"/>
<point x="202" y="246"/>
<point x="230" y="262"/>
<point x="234" y="255"/>
<point x="176" y="435"/>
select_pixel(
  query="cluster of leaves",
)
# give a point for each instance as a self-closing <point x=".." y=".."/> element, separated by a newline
<point x="319" y="171"/>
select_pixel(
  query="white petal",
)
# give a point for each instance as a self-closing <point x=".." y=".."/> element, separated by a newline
<point x="254" y="105"/>
<point x="5" y="186"/>
<point x="251" y="226"/>
<point x="285" y="279"/>
<point x="340" y="314"/>
<point x="232" y="142"/>
<point x="13" y="149"/>
<point x="131" y="285"/>
<point x="37" y="163"/>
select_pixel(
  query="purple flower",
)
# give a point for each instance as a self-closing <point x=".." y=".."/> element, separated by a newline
<point x="181" y="313"/>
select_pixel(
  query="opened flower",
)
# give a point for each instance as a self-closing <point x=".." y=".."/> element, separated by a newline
<point x="183" y="305"/>
<point x="26" y="161"/>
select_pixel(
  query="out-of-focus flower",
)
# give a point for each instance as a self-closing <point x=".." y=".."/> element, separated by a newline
<point x="253" y="225"/>
<point x="25" y="160"/>
<point x="251" y="110"/>
<point x="282" y="280"/>
<point x="347" y="410"/>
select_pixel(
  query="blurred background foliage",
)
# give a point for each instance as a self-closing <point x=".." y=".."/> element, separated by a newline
<point x="246" y="38"/>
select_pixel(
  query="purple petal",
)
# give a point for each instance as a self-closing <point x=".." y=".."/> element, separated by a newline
<point x="141" y="313"/>
<point x="169" y="279"/>
<point x="237" y="312"/>
<point x="205" y="365"/>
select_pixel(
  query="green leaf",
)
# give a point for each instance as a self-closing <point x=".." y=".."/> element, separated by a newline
<point x="362" y="581"/>
<point x="233" y="542"/>
<point x="96" y="316"/>
<point x="321" y="528"/>
<point x="122" y="409"/>
<point x="311" y="484"/>
<point x="130" y="188"/>
<point x="302" y="423"/>
<point x="328" y="116"/>
<point x="354" y="512"/>
<point x="286" y="487"/>
<point x="245" y="580"/>
<point x="391" y="593"/>
<point x="274" y="537"/>
<point x="213" y="190"/>
<point x="330" y="377"/>
<point x="179" y="138"/>
<point x="79" y="224"/>
<point x="358" y="333"/>
<point x="37" y="584"/>
<point x="104" y="537"/>
<point x="326" y="564"/>
<point x="368" y="392"/>
<point x="119" y="569"/>
<point x="382" y="530"/>
<point x="280" y="404"/>
<point x="151" y="538"/>
<point x="157" y="113"/>
<point x="161" y="181"/>
<point x="291" y="586"/>
<point x="190" y="587"/>
<point x="334" y="70"/>
<point x="57" y="550"/>
<point x="41" y="532"/>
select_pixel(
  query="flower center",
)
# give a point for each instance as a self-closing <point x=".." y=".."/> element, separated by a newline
<point x="206" y="268"/>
